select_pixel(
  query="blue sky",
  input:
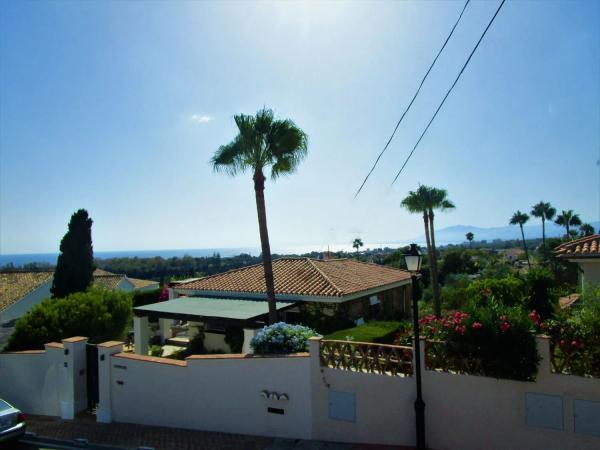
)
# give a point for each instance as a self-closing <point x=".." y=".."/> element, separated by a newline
<point x="118" y="106"/>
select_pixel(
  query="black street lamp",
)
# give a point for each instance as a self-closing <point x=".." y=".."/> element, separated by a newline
<point x="413" y="264"/>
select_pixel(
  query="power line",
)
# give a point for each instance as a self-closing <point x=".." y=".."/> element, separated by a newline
<point x="411" y="102"/>
<point x="448" y="93"/>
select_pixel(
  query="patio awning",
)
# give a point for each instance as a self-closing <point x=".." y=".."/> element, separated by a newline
<point x="190" y="308"/>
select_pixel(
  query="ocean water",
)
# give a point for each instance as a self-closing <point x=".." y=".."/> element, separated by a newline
<point x="50" y="258"/>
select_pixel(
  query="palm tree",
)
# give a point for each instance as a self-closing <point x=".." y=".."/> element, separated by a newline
<point x="357" y="243"/>
<point x="263" y="141"/>
<point x="470" y="237"/>
<point x="586" y="230"/>
<point x="544" y="211"/>
<point x="520" y="219"/>
<point x="425" y="200"/>
<point x="568" y="219"/>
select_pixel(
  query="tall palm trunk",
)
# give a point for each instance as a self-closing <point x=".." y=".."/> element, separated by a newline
<point x="543" y="232"/>
<point x="567" y="227"/>
<point x="429" y="251"/>
<point x="525" y="245"/>
<point x="259" y="190"/>
<point x="437" y="306"/>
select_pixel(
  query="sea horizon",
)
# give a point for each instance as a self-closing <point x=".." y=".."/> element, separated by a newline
<point x="20" y="259"/>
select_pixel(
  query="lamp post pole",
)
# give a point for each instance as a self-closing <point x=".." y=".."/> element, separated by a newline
<point x="419" y="403"/>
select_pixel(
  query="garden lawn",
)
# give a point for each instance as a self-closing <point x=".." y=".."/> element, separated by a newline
<point x="375" y="331"/>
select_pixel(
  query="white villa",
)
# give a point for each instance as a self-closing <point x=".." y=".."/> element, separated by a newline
<point x="237" y="298"/>
<point x="586" y="253"/>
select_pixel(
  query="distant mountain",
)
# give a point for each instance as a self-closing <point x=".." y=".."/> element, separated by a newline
<point x="456" y="234"/>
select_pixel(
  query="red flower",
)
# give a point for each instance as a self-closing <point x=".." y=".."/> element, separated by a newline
<point x="563" y="343"/>
<point x="535" y="317"/>
<point x="476" y="325"/>
<point x="460" y="329"/>
<point x="504" y="326"/>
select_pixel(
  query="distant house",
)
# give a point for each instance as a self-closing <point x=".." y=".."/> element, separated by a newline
<point x="109" y="280"/>
<point x="512" y="255"/>
<point x="237" y="298"/>
<point x="586" y="253"/>
<point x="21" y="291"/>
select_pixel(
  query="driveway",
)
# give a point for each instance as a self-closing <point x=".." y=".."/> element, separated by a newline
<point x="132" y="436"/>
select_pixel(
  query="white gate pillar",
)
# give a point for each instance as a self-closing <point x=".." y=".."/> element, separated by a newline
<point x="141" y="335"/>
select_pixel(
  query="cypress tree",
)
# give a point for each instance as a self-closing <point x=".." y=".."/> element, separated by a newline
<point x="75" y="266"/>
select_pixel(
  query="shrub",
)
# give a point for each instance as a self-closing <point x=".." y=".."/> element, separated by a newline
<point x="325" y="318"/>
<point x="156" y="350"/>
<point x="541" y="287"/>
<point x="508" y="291"/>
<point x="382" y="332"/>
<point x="491" y="340"/>
<point x="196" y="345"/>
<point x="575" y="337"/>
<point x="234" y="337"/>
<point x="99" y="314"/>
<point x="282" y="338"/>
<point x="146" y="298"/>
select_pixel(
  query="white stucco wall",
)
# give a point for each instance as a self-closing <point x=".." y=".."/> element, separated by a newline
<point x="50" y="382"/>
<point x="591" y="273"/>
<point x="462" y="412"/>
<point x="29" y="381"/>
<point x="24" y="305"/>
<point x="215" y="342"/>
<point x="214" y="393"/>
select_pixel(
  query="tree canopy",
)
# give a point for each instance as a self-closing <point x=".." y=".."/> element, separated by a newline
<point x="98" y="314"/>
<point x="75" y="265"/>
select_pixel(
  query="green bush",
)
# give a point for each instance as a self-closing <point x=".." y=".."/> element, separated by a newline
<point x="575" y="337"/>
<point x="146" y="298"/>
<point x="454" y="292"/>
<point x="541" y="289"/>
<point x="508" y="291"/>
<point x="282" y="338"/>
<point x="373" y="331"/>
<point x="319" y="317"/>
<point x="490" y="340"/>
<point x="156" y="350"/>
<point x="98" y="314"/>
<point x="234" y="337"/>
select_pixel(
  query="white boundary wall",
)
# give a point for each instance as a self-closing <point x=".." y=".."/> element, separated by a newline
<point x="214" y="392"/>
<point x="49" y="382"/>
<point x="247" y="394"/>
<point x="462" y="412"/>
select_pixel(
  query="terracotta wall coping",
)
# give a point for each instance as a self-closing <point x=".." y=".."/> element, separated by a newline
<point x="248" y="356"/>
<point x="154" y="359"/>
<point x="75" y="339"/>
<point x="109" y="344"/>
<point x="177" y="362"/>
<point x="55" y="345"/>
<point x="24" y="352"/>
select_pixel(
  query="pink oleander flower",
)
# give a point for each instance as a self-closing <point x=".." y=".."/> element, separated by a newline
<point x="535" y="317"/>
<point x="504" y="326"/>
<point x="476" y="325"/>
<point x="460" y="329"/>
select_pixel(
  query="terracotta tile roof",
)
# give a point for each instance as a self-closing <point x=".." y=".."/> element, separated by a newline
<point x="139" y="284"/>
<point x="585" y="247"/>
<point x="15" y="285"/>
<point x="109" y="282"/>
<point x="303" y="277"/>
<point x="102" y="273"/>
<point x="568" y="301"/>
